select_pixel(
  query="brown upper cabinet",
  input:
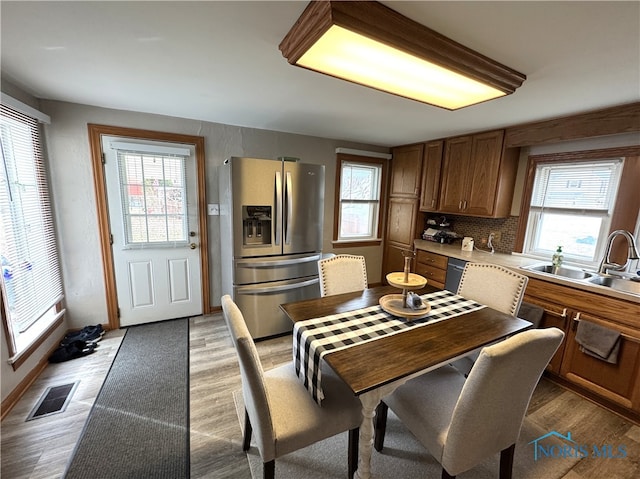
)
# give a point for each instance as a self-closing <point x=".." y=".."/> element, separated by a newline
<point x="478" y="175"/>
<point x="406" y="167"/>
<point x="431" y="165"/>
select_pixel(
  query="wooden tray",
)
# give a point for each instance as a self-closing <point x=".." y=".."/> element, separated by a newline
<point x="392" y="304"/>
<point x="415" y="281"/>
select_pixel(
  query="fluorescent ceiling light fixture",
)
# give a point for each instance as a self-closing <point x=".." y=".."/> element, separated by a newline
<point x="372" y="45"/>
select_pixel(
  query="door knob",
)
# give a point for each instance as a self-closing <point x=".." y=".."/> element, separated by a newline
<point x="193" y="246"/>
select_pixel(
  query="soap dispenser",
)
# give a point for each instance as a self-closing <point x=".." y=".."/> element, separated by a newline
<point x="556" y="261"/>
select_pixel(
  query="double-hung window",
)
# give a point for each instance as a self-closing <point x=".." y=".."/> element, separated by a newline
<point x="571" y="206"/>
<point x="358" y="204"/>
<point x="31" y="281"/>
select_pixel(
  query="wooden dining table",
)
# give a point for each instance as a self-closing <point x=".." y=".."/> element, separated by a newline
<point x="376" y="368"/>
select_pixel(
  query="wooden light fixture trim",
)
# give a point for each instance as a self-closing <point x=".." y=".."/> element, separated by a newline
<point x="380" y="23"/>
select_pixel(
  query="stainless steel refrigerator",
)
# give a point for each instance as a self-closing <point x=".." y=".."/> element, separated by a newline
<point x="271" y="218"/>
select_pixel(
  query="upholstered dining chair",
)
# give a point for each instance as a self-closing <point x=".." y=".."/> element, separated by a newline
<point x="342" y="273"/>
<point x="495" y="286"/>
<point x="279" y="408"/>
<point x="463" y="422"/>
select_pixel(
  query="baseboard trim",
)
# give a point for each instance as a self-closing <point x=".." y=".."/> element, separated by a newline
<point x="19" y="391"/>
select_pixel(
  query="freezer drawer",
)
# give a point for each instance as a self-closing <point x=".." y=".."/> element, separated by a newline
<point x="260" y="304"/>
<point x="276" y="268"/>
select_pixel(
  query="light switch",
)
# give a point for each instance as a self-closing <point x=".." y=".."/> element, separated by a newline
<point x="213" y="209"/>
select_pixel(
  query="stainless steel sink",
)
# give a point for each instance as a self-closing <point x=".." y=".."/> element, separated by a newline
<point x="619" y="284"/>
<point x="564" y="271"/>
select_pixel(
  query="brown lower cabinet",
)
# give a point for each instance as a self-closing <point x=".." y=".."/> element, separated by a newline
<point x="616" y="386"/>
<point x="433" y="267"/>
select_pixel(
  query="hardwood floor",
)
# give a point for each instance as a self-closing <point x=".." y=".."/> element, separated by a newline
<point x="41" y="448"/>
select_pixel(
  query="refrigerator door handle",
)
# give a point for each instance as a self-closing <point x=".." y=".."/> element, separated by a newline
<point x="274" y="289"/>
<point x="289" y="197"/>
<point x="253" y="263"/>
<point x="278" y="212"/>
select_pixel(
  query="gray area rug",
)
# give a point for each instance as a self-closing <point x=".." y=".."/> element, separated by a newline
<point x="139" y="424"/>
<point x="403" y="457"/>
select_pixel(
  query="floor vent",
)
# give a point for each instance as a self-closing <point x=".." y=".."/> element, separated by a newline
<point x="53" y="401"/>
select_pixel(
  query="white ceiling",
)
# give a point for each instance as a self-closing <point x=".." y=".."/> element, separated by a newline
<point x="220" y="62"/>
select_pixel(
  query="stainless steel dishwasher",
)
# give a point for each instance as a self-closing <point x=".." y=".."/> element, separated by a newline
<point x="454" y="273"/>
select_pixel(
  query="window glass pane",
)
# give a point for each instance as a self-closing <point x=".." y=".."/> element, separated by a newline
<point x="359" y="182"/>
<point x="358" y="220"/>
<point x="577" y="234"/>
<point x="153" y="190"/>
<point x="137" y="229"/>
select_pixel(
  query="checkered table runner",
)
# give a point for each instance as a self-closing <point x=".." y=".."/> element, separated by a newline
<point x="313" y="338"/>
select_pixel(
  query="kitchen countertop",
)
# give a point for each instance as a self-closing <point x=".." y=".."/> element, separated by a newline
<point x="515" y="262"/>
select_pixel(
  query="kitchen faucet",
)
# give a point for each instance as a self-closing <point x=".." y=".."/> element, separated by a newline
<point x="606" y="263"/>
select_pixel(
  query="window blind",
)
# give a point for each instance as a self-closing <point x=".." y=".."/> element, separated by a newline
<point x="31" y="278"/>
<point x="581" y="186"/>
<point x="153" y="192"/>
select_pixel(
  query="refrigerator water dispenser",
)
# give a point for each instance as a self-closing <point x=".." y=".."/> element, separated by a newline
<point x="256" y="225"/>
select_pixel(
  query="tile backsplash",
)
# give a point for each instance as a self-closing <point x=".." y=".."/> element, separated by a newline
<point x="479" y="229"/>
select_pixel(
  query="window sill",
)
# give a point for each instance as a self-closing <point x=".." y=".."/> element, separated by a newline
<point x="19" y="358"/>
<point x="355" y="243"/>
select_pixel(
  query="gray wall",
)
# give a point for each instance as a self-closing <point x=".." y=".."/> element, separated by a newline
<point x="72" y="188"/>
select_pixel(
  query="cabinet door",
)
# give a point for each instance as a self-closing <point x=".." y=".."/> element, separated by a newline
<point x="617" y="382"/>
<point x="482" y="178"/>
<point x="431" y="165"/>
<point x="401" y="222"/>
<point x="406" y="168"/>
<point x="457" y="156"/>
<point x="393" y="261"/>
<point x="555" y="316"/>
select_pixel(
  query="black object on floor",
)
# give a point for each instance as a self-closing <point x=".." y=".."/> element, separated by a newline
<point x="73" y="350"/>
<point x="53" y="401"/>
<point x="88" y="334"/>
<point x="139" y="424"/>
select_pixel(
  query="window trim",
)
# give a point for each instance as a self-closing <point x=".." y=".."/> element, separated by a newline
<point x="625" y="212"/>
<point x="604" y="214"/>
<point x="342" y="158"/>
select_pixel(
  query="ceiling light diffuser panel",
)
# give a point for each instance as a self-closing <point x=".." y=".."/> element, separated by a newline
<point x="370" y="44"/>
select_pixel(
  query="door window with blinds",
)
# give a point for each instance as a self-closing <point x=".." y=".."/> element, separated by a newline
<point x="31" y="280"/>
<point x="571" y="206"/>
<point x="153" y="193"/>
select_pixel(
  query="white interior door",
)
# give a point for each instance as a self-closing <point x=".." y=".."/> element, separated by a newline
<point x="153" y="217"/>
